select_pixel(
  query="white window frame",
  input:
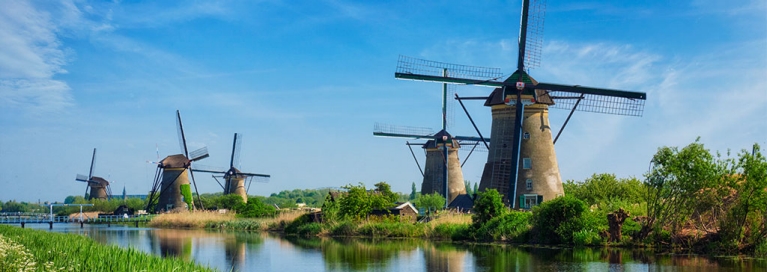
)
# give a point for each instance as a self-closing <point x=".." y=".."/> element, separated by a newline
<point x="529" y="184"/>
<point x="527" y="163"/>
<point x="526" y="135"/>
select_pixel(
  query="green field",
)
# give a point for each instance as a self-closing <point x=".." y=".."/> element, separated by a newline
<point x="36" y="250"/>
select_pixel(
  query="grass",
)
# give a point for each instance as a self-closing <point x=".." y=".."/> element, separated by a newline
<point x="215" y="220"/>
<point x="189" y="220"/>
<point x="33" y="250"/>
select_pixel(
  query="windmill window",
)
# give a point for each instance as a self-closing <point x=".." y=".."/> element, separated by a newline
<point x="529" y="184"/>
<point x="526" y="136"/>
<point x="526" y="163"/>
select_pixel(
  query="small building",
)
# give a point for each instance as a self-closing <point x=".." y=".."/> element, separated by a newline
<point x="406" y="211"/>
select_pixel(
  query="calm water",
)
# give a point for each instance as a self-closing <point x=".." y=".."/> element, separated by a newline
<point x="268" y="252"/>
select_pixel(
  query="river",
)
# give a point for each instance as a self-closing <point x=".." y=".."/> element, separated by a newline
<point x="256" y="251"/>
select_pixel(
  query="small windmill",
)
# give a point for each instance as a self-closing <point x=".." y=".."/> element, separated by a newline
<point x="99" y="187"/>
<point x="519" y="95"/>
<point x="234" y="179"/>
<point x="171" y="182"/>
<point x="442" y="171"/>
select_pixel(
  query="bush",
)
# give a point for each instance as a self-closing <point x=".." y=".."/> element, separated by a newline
<point x="346" y="228"/>
<point x="631" y="228"/>
<point x="293" y="227"/>
<point x="255" y="208"/>
<point x="311" y="229"/>
<point x="487" y="206"/>
<point x="451" y="231"/>
<point x="586" y="237"/>
<point x="555" y="221"/>
<point x="513" y="226"/>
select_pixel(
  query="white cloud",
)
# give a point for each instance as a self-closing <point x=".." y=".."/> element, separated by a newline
<point x="32" y="55"/>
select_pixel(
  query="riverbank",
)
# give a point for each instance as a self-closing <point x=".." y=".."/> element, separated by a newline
<point x="226" y="221"/>
<point x="32" y="250"/>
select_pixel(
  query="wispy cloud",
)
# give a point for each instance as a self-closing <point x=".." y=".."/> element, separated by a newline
<point x="32" y="55"/>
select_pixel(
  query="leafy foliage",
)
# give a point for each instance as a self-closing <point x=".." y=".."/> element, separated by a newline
<point x="681" y="183"/>
<point x="487" y="206"/>
<point x="556" y="220"/>
<point x="430" y="202"/>
<point x="605" y="188"/>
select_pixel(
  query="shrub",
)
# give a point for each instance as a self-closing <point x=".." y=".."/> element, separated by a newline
<point x="451" y="231"/>
<point x="554" y="221"/>
<point x="487" y="206"/>
<point x="346" y="228"/>
<point x="631" y="228"/>
<point x="311" y="229"/>
<point x="293" y="226"/>
<point x="513" y="226"/>
<point x="586" y="237"/>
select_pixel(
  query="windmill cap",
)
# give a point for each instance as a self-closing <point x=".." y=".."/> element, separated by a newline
<point x="175" y="161"/>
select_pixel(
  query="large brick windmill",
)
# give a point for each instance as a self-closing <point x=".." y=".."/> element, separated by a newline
<point x="521" y="162"/>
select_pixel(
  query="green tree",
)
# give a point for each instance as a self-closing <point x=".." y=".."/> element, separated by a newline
<point x="356" y="204"/>
<point x="384" y="189"/>
<point x="255" y="209"/>
<point x="467" y="186"/>
<point x="748" y="214"/>
<point x="330" y="209"/>
<point x="474" y="192"/>
<point x="488" y="205"/>
<point x="430" y="202"/>
<point x="413" y="192"/>
<point x="681" y="182"/>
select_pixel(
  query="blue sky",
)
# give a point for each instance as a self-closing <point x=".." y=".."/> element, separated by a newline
<point x="305" y="81"/>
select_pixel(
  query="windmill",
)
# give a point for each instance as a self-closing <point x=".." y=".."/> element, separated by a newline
<point x="100" y="188"/>
<point x="234" y="179"/>
<point x="442" y="171"/>
<point x="171" y="183"/>
<point x="523" y="148"/>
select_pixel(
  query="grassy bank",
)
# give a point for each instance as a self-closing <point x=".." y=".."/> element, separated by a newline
<point x="33" y="250"/>
<point x="215" y="220"/>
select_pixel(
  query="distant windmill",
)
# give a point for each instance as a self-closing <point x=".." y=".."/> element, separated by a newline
<point x="442" y="168"/>
<point x="234" y="179"/>
<point x="171" y="182"/>
<point x="99" y="187"/>
<point x="515" y="141"/>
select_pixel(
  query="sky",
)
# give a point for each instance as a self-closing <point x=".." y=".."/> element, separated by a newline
<point x="305" y="81"/>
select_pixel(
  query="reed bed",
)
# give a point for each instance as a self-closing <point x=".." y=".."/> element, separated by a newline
<point x="215" y="220"/>
<point x="189" y="220"/>
<point x="36" y="250"/>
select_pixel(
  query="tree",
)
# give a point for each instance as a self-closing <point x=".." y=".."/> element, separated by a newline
<point x="413" y="192"/>
<point x="430" y="202"/>
<point x="467" y="185"/>
<point x="356" y="204"/>
<point x="475" y="189"/>
<point x="749" y="211"/>
<point x="487" y="206"/>
<point x="255" y="208"/>
<point x="384" y="189"/>
<point x="681" y="182"/>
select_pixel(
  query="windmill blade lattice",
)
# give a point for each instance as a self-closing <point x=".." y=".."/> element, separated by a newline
<point x="415" y="66"/>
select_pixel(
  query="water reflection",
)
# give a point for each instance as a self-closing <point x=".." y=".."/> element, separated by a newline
<point x="245" y="251"/>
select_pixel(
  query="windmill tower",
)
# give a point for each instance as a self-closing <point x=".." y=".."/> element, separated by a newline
<point x="234" y="179"/>
<point x="442" y="170"/>
<point x="99" y="187"/>
<point x="521" y="162"/>
<point x="171" y="185"/>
